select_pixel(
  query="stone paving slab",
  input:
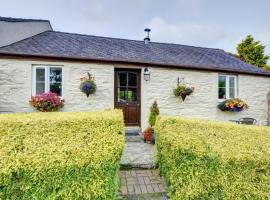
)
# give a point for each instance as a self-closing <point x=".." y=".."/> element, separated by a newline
<point x="135" y="184"/>
<point x="139" y="155"/>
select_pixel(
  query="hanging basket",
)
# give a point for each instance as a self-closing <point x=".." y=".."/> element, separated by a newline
<point x="88" y="85"/>
<point x="183" y="91"/>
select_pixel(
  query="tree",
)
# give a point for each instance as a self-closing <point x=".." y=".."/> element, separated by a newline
<point x="252" y="52"/>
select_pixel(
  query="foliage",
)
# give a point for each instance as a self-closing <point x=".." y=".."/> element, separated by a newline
<point x="182" y="91"/>
<point x="60" y="155"/>
<point x="47" y="102"/>
<point x="154" y="112"/>
<point x="233" y="105"/>
<point x="252" y="52"/>
<point x="88" y="85"/>
<point x="213" y="160"/>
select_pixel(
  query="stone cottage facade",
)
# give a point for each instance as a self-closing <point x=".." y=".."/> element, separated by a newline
<point x="119" y="67"/>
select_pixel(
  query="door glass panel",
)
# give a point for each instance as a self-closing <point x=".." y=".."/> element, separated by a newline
<point x="132" y="94"/>
<point x="122" y="79"/>
<point x="122" y="95"/>
<point x="132" y="79"/>
<point x="40" y="81"/>
<point x="56" y="80"/>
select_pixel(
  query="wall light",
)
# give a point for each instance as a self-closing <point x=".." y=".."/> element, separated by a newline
<point x="146" y="74"/>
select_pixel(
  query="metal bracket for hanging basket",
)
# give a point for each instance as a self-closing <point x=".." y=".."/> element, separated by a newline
<point x="89" y="76"/>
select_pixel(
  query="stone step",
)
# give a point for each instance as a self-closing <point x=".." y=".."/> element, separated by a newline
<point x="138" y="155"/>
<point x="132" y="131"/>
<point x="137" y="138"/>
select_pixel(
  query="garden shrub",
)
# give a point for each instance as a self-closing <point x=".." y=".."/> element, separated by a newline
<point x="154" y="112"/>
<point x="60" y="155"/>
<point x="213" y="160"/>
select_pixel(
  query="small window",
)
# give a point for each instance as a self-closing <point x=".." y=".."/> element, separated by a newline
<point x="227" y="87"/>
<point x="47" y="79"/>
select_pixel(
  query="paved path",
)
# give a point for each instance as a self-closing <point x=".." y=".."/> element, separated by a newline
<point x="141" y="184"/>
<point x="139" y="155"/>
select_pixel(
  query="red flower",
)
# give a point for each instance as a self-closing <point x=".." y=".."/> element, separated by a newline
<point x="47" y="102"/>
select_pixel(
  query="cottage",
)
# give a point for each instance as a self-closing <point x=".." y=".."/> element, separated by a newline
<point x="129" y="74"/>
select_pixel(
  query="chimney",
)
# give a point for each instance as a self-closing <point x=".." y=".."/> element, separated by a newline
<point x="147" y="38"/>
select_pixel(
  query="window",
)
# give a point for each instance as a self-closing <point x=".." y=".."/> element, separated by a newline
<point x="227" y="86"/>
<point x="46" y="79"/>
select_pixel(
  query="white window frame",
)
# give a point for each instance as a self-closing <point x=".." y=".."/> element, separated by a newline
<point x="227" y="86"/>
<point x="47" y="77"/>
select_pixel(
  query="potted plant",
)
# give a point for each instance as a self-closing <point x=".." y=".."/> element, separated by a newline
<point x="47" y="102"/>
<point x="88" y="85"/>
<point x="233" y="105"/>
<point x="183" y="91"/>
<point x="149" y="133"/>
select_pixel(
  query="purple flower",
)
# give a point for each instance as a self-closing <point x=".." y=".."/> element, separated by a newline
<point x="87" y="86"/>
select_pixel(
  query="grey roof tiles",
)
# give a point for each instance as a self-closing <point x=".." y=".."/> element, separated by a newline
<point x="76" y="46"/>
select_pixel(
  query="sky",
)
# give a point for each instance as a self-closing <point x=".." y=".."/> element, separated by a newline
<point x="209" y="23"/>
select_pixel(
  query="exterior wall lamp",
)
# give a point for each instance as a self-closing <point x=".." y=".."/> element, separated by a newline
<point x="146" y="74"/>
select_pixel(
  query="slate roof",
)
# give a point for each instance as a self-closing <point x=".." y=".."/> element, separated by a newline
<point x="75" y="46"/>
<point x="10" y="19"/>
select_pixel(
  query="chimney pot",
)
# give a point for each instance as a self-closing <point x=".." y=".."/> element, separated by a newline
<point x="147" y="38"/>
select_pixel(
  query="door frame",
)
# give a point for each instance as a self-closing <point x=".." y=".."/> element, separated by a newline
<point x="139" y="90"/>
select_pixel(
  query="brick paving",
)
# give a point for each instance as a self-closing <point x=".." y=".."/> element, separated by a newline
<point x="137" y="182"/>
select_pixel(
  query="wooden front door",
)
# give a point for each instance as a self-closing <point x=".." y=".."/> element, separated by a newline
<point x="127" y="95"/>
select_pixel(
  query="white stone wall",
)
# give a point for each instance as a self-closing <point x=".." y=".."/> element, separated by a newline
<point x="16" y="83"/>
<point x="203" y="103"/>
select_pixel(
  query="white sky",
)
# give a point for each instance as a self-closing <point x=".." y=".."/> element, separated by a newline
<point x="209" y="23"/>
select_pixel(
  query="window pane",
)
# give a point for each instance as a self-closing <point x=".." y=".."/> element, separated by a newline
<point x="222" y="93"/>
<point x="132" y="79"/>
<point x="132" y="94"/>
<point x="122" y="95"/>
<point x="232" y="87"/>
<point x="222" y="87"/>
<point x="40" y="81"/>
<point x="232" y="93"/>
<point x="222" y="81"/>
<point x="122" y="79"/>
<point x="56" y="80"/>
<point x="232" y="81"/>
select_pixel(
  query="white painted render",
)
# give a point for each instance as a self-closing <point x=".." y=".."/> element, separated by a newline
<point x="11" y="32"/>
<point x="16" y="88"/>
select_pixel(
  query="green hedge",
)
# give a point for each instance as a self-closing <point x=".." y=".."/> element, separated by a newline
<point x="60" y="155"/>
<point x="213" y="160"/>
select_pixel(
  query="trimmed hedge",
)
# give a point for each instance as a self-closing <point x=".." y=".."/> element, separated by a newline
<point x="213" y="160"/>
<point x="60" y="155"/>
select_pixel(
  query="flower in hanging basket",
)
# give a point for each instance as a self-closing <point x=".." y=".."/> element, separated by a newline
<point x="233" y="105"/>
<point x="88" y="85"/>
<point x="183" y="91"/>
<point x="47" y="102"/>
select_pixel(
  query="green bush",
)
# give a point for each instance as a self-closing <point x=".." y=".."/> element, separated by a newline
<point x="154" y="112"/>
<point x="60" y="155"/>
<point x="213" y="160"/>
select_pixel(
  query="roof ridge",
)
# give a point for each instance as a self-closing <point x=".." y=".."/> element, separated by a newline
<point x="82" y="34"/>
<point x="13" y="19"/>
